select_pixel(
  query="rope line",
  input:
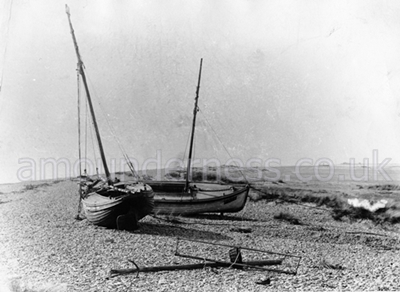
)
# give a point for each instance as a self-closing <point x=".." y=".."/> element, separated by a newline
<point x="79" y="144"/>
<point x="187" y="144"/>
<point x="86" y="131"/>
<point x="216" y="135"/>
<point x="93" y="147"/>
<point x="79" y="123"/>
<point x="112" y="131"/>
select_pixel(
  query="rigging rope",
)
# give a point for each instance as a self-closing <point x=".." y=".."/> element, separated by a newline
<point x="79" y="124"/>
<point x="222" y="144"/>
<point x="86" y="130"/>
<point x="79" y="144"/>
<point x="187" y="143"/>
<point x="87" y="117"/>
<point x="94" y="148"/>
<point x="189" y="171"/>
<point x="120" y="146"/>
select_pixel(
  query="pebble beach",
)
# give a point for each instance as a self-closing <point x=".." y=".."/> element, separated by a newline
<point x="44" y="248"/>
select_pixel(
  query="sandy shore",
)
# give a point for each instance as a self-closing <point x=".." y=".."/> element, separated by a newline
<point x="43" y="248"/>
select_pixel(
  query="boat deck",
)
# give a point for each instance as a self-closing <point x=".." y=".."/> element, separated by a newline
<point x="175" y="191"/>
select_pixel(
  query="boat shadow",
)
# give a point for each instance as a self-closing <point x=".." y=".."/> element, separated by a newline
<point x="151" y="228"/>
<point x="219" y="217"/>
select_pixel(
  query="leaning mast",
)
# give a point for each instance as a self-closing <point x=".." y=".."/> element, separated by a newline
<point x="82" y="72"/>
<point x="195" y="110"/>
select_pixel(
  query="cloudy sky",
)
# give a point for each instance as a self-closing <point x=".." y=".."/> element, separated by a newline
<point x="281" y="79"/>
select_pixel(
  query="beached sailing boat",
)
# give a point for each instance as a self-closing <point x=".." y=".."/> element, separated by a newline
<point x="187" y="198"/>
<point x="106" y="203"/>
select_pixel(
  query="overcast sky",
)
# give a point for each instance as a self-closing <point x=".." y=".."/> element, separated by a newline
<point x="281" y="79"/>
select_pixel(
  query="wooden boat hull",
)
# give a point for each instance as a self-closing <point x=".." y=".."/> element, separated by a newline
<point x="119" y="208"/>
<point x="169" y="198"/>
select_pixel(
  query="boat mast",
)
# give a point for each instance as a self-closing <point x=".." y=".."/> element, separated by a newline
<point x="82" y="72"/>
<point x="195" y="110"/>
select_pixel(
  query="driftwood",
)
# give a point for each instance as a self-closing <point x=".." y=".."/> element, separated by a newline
<point x="237" y="262"/>
<point x="116" y="272"/>
<point x="253" y="264"/>
<point x="235" y="255"/>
